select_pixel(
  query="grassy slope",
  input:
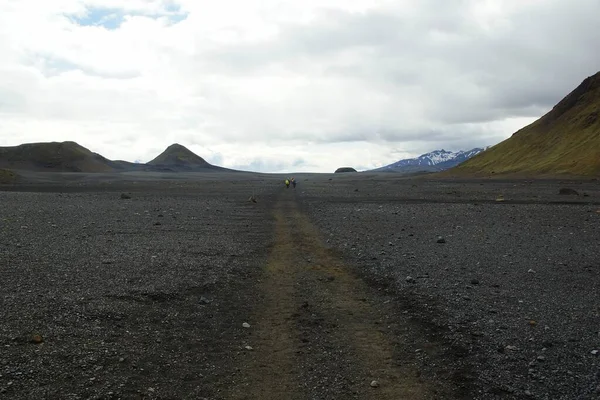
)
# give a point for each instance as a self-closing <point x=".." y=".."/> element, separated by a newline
<point x="57" y="156"/>
<point x="566" y="141"/>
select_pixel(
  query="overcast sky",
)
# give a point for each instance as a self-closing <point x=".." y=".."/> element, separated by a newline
<point x="293" y="85"/>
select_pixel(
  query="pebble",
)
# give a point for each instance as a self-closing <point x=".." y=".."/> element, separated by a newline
<point x="374" y="384"/>
<point x="441" y="239"/>
<point x="410" y="279"/>
<point x="528" y="393"/>
<point x="246" y="325"/>
<point x="531" y="271"/>
<point x="541" y="358"/>
<point x="249" y="348"/>
<point x="204" y="300"/>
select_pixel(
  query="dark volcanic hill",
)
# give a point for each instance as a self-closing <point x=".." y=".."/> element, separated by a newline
<point x="565" y="141"/>
<point x="54" y="156"/>
<point x="342" y="170"/>
<point x="179" y="158"/>
<point x="72" y="157"/>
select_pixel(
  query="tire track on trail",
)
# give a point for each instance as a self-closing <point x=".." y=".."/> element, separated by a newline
<point x="316" y="332"/>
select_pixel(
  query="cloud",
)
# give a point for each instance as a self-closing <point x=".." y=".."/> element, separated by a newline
<point x="279" y="86"/>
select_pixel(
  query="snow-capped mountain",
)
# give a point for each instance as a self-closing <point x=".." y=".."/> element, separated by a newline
<point x="437" y="160"/>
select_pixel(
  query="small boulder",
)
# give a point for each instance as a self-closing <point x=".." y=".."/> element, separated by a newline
<point x="37" y="339"/>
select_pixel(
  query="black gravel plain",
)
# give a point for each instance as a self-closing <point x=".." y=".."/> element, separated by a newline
<point x="103" y="297"/>
<point x="107" y="297"/>
<point x="505" y="273"/>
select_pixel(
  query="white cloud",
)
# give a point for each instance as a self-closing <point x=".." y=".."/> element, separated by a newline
<point x="282" y="85"/>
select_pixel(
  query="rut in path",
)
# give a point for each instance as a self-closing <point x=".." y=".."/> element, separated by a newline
<point x="315" y="334"/>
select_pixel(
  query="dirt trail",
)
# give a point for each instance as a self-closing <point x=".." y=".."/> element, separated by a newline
<point x="317" y="333"/>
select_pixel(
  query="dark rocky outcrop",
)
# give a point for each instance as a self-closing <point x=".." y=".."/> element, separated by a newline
<point x="344" y="169"/>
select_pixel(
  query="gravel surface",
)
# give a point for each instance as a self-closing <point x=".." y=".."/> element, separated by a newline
<point x="512" y="283"/>
<point x="102" y="297"/>
<point x="489" y="286"/>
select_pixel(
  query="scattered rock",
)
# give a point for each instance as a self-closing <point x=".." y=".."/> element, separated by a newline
<point x="594" y="352"/>
<point x="37" y="339"/>
<point x="204" y="300"/>
<point x="541" y="358"/>
<point x="441" y="239"/>
<point x="249" y="348"/>
<point x="410" y="279"/>
<point x="374" y="384"/>
<point x="568" y="192"/>
<point x="531" y="271"/>
<point x="125" y="196"/>
<point x="246" y="325"/>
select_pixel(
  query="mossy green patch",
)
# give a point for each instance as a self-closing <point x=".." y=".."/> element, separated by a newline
<point x="7" y="176"/>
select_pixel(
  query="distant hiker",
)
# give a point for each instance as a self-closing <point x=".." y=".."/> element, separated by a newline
<point x="294" y="183"/>
<point x="287" y="183"/>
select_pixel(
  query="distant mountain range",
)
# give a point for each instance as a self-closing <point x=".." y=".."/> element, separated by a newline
<point x="565" y="141"/>
<point x="72" y="157"/>
<point x="438" y="160"/>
